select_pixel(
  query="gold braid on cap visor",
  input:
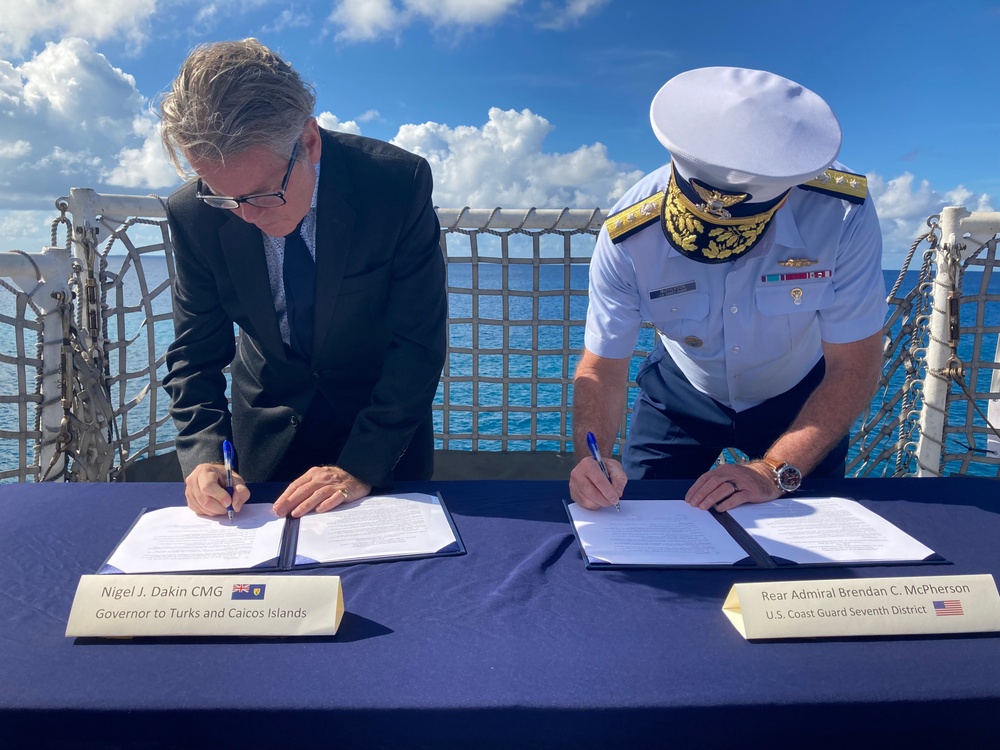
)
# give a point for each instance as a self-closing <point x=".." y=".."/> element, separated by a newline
<point x="710" y="233"/>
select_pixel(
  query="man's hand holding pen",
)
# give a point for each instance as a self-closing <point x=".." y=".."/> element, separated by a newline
<point x="205" y="490"/>
<point x="216" y="490"/>
<point x="597" y="482"/>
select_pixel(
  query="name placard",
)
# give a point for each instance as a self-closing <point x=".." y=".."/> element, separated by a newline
<point x="113" y="606"/>
<point x="921" y="605"/>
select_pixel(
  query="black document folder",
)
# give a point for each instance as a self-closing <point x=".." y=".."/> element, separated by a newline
<point x="375" y="528"/>
<point x="782" y="533"/>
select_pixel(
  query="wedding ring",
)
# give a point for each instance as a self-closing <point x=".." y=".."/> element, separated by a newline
<point x="344" y="491"/>
<point x="732" y="484"/>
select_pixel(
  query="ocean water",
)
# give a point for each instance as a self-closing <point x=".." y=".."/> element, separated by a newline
<point x="537" y="335"/>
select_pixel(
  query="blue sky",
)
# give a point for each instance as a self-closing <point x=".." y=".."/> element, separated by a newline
<point x="515" y="102"/>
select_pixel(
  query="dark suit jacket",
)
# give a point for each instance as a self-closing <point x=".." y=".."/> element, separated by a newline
<point x="380" y="330"/>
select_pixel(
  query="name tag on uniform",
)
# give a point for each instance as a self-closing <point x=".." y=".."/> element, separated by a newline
<point x="667" y="291"/>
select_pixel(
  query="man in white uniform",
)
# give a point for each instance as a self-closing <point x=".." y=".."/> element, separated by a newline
<point x="758" y="259"/>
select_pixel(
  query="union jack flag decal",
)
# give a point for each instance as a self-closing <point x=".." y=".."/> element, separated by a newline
<point x="248" y="590"/>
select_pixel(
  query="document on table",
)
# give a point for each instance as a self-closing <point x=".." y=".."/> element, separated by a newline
<point x="787" y="531"/>
<point x="826" y="530"/>
<point x="174" y="540"/>
<point x="375" y="526"/>
<point x="654" y="532"/>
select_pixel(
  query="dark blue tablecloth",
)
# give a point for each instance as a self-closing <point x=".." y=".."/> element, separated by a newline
<point x="515" y="644"/>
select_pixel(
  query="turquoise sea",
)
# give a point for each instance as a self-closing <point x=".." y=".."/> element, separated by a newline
<point x="527" y="344"/>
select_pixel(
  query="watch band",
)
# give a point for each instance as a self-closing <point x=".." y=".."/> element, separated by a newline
<point x="774" y="463"/>
<point x="788" y="478"/>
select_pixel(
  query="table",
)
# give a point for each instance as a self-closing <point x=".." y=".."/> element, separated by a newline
<point x="514" y="644"/>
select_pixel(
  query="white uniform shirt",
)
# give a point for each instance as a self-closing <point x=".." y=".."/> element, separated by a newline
<point x="745" y="331"/>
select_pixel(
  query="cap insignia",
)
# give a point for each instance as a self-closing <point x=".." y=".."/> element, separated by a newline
<point x="716" y="202"/>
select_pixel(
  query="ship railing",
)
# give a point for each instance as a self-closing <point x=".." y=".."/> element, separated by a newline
<point x="517" y="286"/>
<point x="81" y="395"/>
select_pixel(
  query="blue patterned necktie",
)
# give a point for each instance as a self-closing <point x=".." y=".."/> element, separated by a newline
<point x="299" y="273"/>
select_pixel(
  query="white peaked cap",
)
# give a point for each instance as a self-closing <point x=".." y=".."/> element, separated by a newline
<point x="744" y="130"/>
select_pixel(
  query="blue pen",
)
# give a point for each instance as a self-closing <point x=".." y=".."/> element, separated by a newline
<point x="227" y="457"/>
<point x="596" y="453"/>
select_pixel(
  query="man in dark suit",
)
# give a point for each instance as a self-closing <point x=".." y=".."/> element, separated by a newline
<point x="324" y="249"/>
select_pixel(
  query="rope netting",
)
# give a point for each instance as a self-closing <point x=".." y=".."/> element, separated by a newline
<point x="517" y="296"/>
<point x="137" y="326"/>
<point x="885" y="441"/>
<point x="517" y="312"/>
<point x="20" y="393"/>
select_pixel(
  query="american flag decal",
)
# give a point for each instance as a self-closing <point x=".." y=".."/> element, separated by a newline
<point x="947" y="607"/>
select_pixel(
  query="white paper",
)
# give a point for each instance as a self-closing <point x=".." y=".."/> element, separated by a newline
<point x="654" y="532"/>
<point x="826" y="529"/>
<point x="375" y="526"/>
<point x="176" y="539"/>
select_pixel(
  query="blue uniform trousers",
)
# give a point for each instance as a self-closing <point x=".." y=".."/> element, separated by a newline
<point x="677" y="432"/>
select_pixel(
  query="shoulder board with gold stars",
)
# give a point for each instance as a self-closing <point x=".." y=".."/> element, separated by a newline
<point x="844" y="185"/>
<point x="630" y="220"/>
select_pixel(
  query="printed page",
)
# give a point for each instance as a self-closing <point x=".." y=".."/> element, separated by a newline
<point x="373" y="527"/>
<point x="176" y="539"/>
<point x="826" y="529"/>
<point x="654" y="532"/>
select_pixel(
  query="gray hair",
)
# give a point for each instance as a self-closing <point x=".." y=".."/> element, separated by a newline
<point x="229" y="97"/>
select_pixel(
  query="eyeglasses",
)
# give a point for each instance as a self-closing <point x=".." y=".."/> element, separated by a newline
<point x="261" y="200"/>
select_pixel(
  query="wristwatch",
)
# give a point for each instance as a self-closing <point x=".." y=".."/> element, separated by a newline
<point x="787" y="477"/>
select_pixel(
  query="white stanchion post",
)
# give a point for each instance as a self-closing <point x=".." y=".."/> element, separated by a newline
<point x="936" y="383"/>
<point x="956" y="224"/>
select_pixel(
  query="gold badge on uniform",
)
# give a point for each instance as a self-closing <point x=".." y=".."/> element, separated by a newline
<point x="693" y="341"/>
<point x="797" y="296"/>
<point x="797" y="262"/>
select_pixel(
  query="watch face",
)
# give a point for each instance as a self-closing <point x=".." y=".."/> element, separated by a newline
<point x="789" y="478"/>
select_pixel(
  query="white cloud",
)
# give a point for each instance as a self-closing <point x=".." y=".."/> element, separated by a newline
<point x="557" y="18"/>
<point x="95" y="20"/>
<point x="72" y="119"/>
<point x="904" y="204"/>
<point x="366" y="20"/>
<point x="207" y="15"/>
<point x="146" y="166"/>
<point x="14" y="150"/>
<point x="504" y="164"/>
<point x="460" y="12"/>
<point x="330" y="121"/>
<point x="288" y="19"/>
<point x="29" y="231"/>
